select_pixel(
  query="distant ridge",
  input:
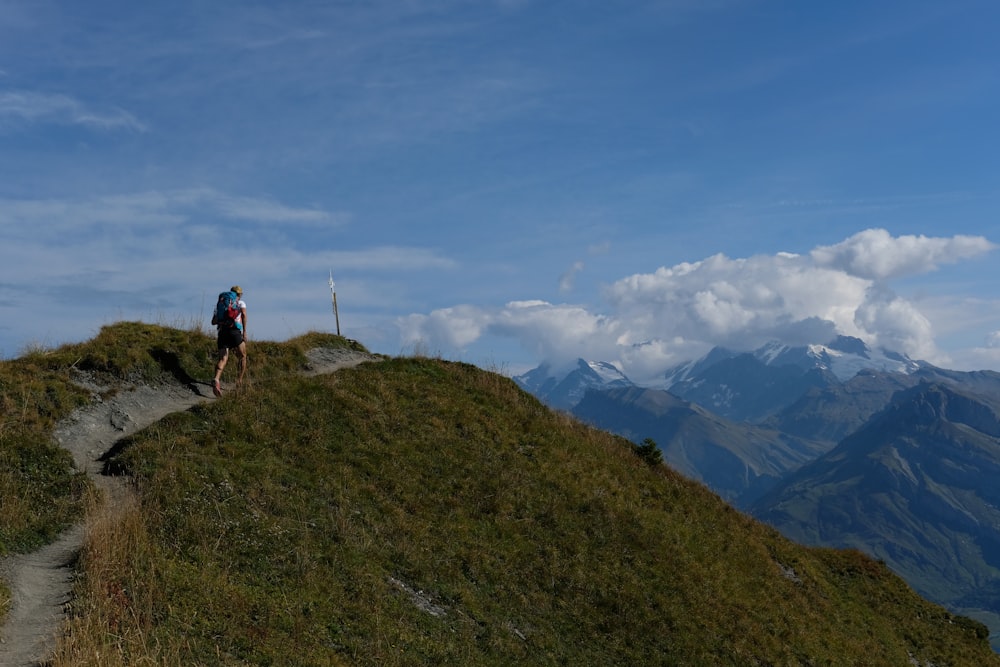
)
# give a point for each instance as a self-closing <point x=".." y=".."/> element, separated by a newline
<point x="739" y="385"/>
<point x="916" y="487"/>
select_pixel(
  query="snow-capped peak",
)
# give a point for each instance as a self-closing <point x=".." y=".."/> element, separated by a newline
<point x="564" y="389"/>
<point x="843" y="356"/>
<point x="846" y="365"/>
<point x="607" y="372"/>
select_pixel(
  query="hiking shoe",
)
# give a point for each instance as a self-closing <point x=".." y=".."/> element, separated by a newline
<point x="216" y="388"/>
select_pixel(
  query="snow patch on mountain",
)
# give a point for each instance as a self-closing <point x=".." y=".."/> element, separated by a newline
<point x="607" y="372"/>
<point x="564" y="390"/>
<point x="844" y="357"/>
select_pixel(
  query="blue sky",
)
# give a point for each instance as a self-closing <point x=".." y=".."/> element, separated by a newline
<point x="506" y="182"/>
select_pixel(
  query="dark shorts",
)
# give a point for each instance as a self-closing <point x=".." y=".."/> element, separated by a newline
<point x="229" y="338"/>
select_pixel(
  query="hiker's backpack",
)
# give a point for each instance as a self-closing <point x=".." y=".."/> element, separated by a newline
<point x="227" y="310"/>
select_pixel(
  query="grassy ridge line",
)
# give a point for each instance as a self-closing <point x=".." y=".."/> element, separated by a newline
<point x="418" y="512"/>
<point x="40" y="492"/>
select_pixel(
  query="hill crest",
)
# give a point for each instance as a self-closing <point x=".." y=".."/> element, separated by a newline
<point x="304" y="512"/>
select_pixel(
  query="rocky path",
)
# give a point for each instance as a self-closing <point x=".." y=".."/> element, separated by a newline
<point x="41" y="582"/>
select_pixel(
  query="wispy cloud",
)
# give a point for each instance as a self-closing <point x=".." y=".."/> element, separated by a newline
<point x="264" y="210"/>
<point x="567" y="279"/>
<point x="155" y="255"/>
<point x="153" y="209"/>
<point x="391" y="259"/>
<point x="60" y="109"/>
<point x="134" y="241"/>
<point x="270" y="42"/>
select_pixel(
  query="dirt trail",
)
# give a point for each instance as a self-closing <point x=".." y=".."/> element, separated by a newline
<point x="41" y="582"/>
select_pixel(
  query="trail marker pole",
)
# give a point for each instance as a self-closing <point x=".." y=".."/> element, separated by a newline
<point x="333" y="296"/>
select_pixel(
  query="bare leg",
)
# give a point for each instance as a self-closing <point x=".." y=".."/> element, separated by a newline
<point x="220" y="366"/>
<point x="241" y="356"/>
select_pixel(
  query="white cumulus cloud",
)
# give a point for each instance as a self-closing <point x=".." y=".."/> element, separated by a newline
<point x="876" y="255"/>
<point x="655" y="320"/>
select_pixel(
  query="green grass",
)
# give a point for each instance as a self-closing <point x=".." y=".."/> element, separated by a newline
<point x="418" y="512"/>
<point x="40" y="493"/>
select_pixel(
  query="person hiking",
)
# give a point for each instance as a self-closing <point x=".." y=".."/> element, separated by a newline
<point x="231" y="319"/>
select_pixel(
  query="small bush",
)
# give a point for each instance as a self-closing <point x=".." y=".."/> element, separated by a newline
<point x="649" y="452"/>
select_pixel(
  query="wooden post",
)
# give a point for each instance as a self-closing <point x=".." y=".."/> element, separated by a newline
<point x="333" y="296"/>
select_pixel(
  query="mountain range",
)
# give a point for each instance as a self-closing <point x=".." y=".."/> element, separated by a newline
<point x="835" y="445"/>
<point x="914" y="487"/>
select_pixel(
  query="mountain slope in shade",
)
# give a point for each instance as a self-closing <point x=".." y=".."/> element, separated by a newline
<point x="916" y="487"/>
<point x="744" y="388"/>
<point x="833" y="412"/>
<point x="737" y="461"/>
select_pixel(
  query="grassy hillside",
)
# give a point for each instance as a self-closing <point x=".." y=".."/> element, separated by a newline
<point x="414" y="512"/>
<point x="40" y="493"/>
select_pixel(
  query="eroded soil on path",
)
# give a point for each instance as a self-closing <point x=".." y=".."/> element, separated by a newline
<point x="41" y="582"/>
